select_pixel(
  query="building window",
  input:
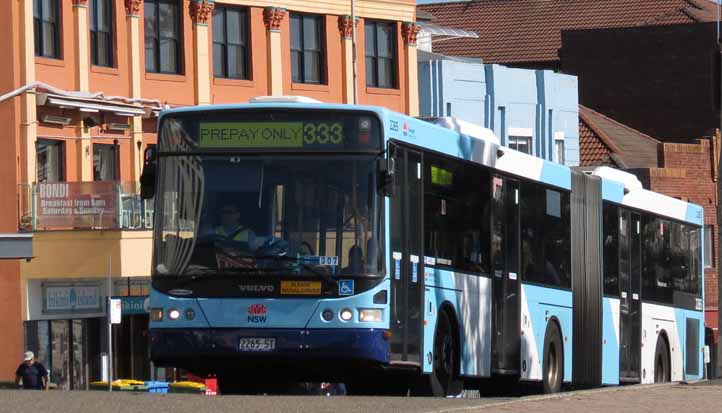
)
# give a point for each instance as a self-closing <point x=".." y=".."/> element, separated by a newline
<point x="105" y="162"/>
<point x="559" y="147"/>
<point x="162" y="36"/>
<point x="46" y="24"/>
<point x="50" y="155"/>
<point x="708" y="246"/>
<point x="101" y="32"/>
<point x="520" y="143"/>
<point x="230" y="42"/>
<point x="307" y="49"/>
<point x="380" y="54"/>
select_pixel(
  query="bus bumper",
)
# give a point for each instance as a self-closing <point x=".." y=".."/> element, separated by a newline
<point x="214" y="349"/>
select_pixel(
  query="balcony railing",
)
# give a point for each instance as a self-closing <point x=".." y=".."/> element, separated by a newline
<point x="99" y="205"/>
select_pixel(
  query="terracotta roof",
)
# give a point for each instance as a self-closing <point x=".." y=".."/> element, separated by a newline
<point x="522" y="31"/>
<point x="604" y="141"/>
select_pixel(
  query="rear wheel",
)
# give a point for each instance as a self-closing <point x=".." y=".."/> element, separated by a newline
<point x="553" y="360"/>
<point x="661" y="362"/>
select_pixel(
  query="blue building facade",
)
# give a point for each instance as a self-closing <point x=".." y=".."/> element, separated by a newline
<point x="534" y="111"/>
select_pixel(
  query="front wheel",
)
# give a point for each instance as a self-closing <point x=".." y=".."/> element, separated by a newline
<point x="553" y="360"/>
<point x="661" y="362"/>
<point x="444" y="379"/>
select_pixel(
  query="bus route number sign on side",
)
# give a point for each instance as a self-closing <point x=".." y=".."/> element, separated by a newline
<point x="116" y="309"/>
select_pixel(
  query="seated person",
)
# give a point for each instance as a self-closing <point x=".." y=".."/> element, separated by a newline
<point x="231" y="230"/>
<point x="355" y="261"/>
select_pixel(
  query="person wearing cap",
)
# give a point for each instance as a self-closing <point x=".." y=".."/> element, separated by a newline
<point x="33" y="374"/>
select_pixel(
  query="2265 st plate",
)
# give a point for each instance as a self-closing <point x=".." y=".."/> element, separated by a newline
<point x="257" y="344"/>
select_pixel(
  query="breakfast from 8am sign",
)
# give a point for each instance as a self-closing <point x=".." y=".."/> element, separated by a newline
<point x="76" y="205"/>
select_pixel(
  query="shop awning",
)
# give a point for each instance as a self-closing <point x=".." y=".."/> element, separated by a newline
<point x="433" y="30"/>
<point x="90" y="105"/>
<point x="16" y="246"/>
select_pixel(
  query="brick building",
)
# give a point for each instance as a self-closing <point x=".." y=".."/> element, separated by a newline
<point x="106" y="67"/>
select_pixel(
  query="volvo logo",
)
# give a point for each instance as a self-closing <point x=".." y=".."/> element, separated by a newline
<point x="246" y="288"/>
<point x="179" y="291"/>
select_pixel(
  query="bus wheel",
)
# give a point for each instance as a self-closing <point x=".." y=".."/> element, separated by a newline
<point x="553" y="359"/>
<point x="661" y="361"/>
<point x="444" y="379"/>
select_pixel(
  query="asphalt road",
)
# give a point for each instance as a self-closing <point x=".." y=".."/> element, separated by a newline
<point x="702" y="397"/>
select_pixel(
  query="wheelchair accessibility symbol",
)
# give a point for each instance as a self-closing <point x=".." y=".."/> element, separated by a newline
<point x="345" y="287"/>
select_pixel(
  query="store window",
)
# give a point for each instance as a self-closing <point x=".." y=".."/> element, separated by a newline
<point x="380" y="40"/>
<point x="163" y="40"/>
<point x="50" y="157"/>
<point x="307" y="48"/>
<point x="230" y="42"/>
<point x="46" y="26"/>
<point x="520" y="143"/>
<point x="105" y="162"/>
<point x="101" y="32"/>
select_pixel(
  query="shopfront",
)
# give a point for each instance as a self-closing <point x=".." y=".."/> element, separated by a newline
<point x="68" y="331"/>
<point x="65" y="329"/>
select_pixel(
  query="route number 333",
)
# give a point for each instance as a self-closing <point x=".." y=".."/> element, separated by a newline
<point x="323" y="133"/>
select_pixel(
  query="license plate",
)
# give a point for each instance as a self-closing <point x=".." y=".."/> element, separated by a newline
<point x="257" y="344"/>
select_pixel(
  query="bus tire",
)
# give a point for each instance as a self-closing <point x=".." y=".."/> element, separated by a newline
<point x="444" y="379"/>
<point x="661" y="361"/>
<point x="553" y="371"/>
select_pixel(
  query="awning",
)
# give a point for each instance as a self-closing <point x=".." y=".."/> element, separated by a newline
<point x="432" y="30"/>
<point x="14" y="246"/>
<point x="90" y="105"/>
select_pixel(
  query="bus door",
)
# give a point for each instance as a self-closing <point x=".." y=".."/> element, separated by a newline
<point x="407" y="263"/>
<point x="630" y="318"/>
<point x="505" y="275"/>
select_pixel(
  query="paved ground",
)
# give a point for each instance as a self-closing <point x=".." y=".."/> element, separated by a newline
<point x="701" y="397"/>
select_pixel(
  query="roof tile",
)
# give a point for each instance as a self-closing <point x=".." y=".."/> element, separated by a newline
<point x="517" y="31"/>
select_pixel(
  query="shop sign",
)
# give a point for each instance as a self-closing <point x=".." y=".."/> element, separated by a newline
<point x="76" y="205"/>
<point x="72" y="297"/>
<point x="134" y="305"/>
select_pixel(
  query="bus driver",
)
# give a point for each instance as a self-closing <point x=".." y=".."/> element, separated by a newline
<point x="231" y="230"/>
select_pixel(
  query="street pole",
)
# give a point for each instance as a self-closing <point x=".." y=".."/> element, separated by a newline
<point x="110" y="327"/>
<point x="353" y="47"/>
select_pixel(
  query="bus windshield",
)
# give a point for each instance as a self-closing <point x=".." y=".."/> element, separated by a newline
<point x="268" y="214"/>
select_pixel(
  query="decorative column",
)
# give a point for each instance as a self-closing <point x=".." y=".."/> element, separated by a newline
<point x="272" y="18"/>
<point x="345" y="27"/>
<point x="133" y="20"/>
<point x="28" y="114"/>
<point x="82" y="82"/>
<point x="410" y="31"/>
<point x="200" y="11"/>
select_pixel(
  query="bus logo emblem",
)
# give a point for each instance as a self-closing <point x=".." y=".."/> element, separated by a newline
<point x="257" y="313"/>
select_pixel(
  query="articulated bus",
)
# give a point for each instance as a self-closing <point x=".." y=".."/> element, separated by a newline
<point x="300" y="241"/>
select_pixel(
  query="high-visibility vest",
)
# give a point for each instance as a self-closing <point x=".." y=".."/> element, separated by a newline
<point x="241" y="234"/>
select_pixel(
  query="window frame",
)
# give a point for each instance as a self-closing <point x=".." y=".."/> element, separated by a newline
<point x="61" y="157"/>
<point x="561" y="157"/>
<point x="321" y="28"/>
<point x="709" y="246"/>
<point x="376" y="24"/>
<point x="110" y="53"/>
<point x="40" y="33"/>
<point x="225" y="44"/>
<point x="116" y="161"/>
<point x="157" y="38"/>
<point x="516" y="140"/>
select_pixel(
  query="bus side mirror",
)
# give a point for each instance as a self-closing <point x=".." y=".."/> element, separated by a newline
<point x="147" y="178"/>
<point x="386" y="176"/>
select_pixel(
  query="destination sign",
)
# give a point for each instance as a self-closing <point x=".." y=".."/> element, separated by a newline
<point x="266" y="135"/>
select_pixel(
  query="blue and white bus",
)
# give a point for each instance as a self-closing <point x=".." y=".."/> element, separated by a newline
<point x="300" y="241"/>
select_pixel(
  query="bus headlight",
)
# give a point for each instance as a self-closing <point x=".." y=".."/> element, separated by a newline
<point x="190" y="314"/>
<point x="327" y="315"/>
<point x="156" y="314"/>
<point x="173" y="314"/>
<point x="346" y="314"/>
<point x="371" y="315"/>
